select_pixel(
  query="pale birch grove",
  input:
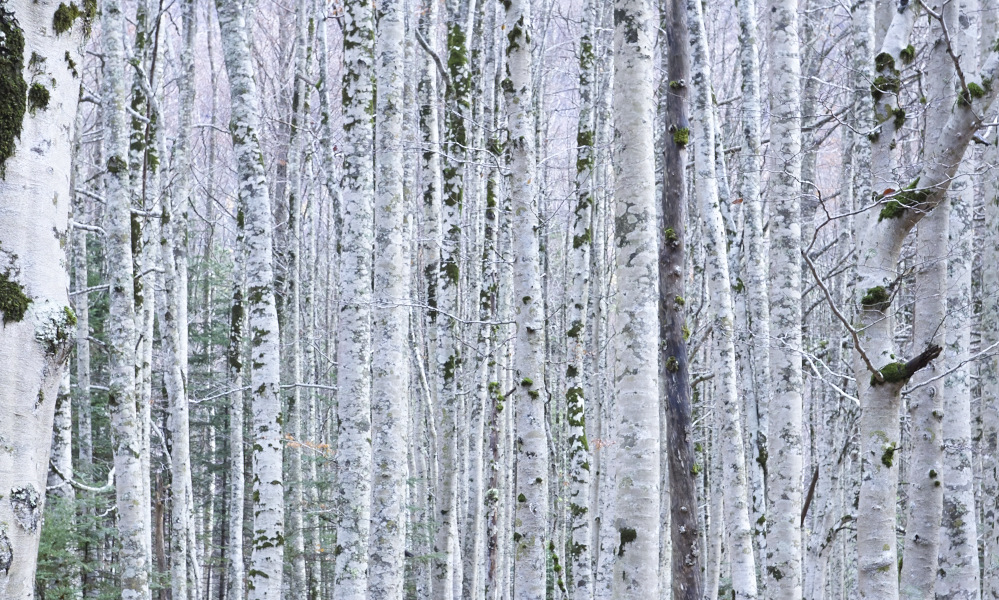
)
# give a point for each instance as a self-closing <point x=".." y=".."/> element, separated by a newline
<point x="499" y="299"/>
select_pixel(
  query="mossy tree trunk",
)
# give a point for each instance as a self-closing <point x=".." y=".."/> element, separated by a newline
<point x="354" y="338"/>
<point x="686" y="577"/>
<point x="880" y="375"/>
<point x="265" y="573"/>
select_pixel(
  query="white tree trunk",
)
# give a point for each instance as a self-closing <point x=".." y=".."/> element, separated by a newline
<point x="925" y="494"/>
<point x="235" y="583"/>
<point x="784" y="470"/>
<point x="740" y="533"/>
<point x="354" y="339"/>
<point x="958" y="574"/>
<point x="578" y="378"/>
<point x="266" y="562"/>
<point x="635" y="317"/>
<point x="390" y="372"/>
<point x="990" y="378"/>
<point x="125" y="421"/>
<point x="530" y="529"/>
<point x="880" y="241"/>
<point x="755" y="266"/>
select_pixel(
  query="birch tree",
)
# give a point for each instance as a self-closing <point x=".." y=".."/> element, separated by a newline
<point x="128" y="446"/>
<point x="530" y="530"/>
<point x="880" y="374"/>
<point x="958" y="572"/>
<point x="254" y="219"/>
<point x="581" y="583"/>
<point x="390" y="373"/>
<point x="922" y="535"/>
<point x="784" y="541"/>
<point x="354" y="340"/>
<point x="635" y="370"/>
<point x="38" y="102"/>
<point x="719" y="288"/>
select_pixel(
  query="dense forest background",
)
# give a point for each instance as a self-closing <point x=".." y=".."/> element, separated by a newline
<point x="499" y="299"/>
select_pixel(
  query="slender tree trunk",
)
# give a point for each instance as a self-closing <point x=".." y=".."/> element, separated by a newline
<point x="990" y="378"/>
<point x="687" y="579"/>
<point x="390" y="373"/>
<point x="125" y="421"/>
<point x="926" y="404"/>
<point x="757" y="388"/>
<point x="234" y="542"/>
<point x="254" y="217"/>
<point x="577" y="376"/>
<point x="740" y="542"/>
<point x="292" y="308"/>
<point x="354" y="341"/>
<point x="958" y="574"/>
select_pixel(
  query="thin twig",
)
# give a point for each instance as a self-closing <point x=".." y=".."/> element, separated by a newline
<point x="82" y="487"/>
<point x="437" y="59"/>
<point x="954" y="368"/>
<point x="950" y="49"/>
<point x="853" y="332"/>
<point x="85" y="227"/>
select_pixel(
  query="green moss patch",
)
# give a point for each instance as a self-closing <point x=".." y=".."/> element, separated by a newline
<point x="13" y="87"/>
<point x="38" y="97"/>
<point x="13" y="301"/>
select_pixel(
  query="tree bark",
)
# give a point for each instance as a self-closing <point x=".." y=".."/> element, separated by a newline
<point x="390" y="372"/>
<point x="636" y="374"/>
<point x="687" y="579"/>
<point x="354" y="340"/>
<point x="784" y="568"/>
<point x="530" y="530"/>
<point x="265" y="574"/>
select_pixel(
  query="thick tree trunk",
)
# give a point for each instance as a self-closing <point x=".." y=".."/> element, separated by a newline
<point x="354" y="340"/>
<point x="879" y="374"/>
<point x="636" y="372"/>
<point x="530" y="529"/>
<point x="390" y="372"/>
<point x="784" y="471"/>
